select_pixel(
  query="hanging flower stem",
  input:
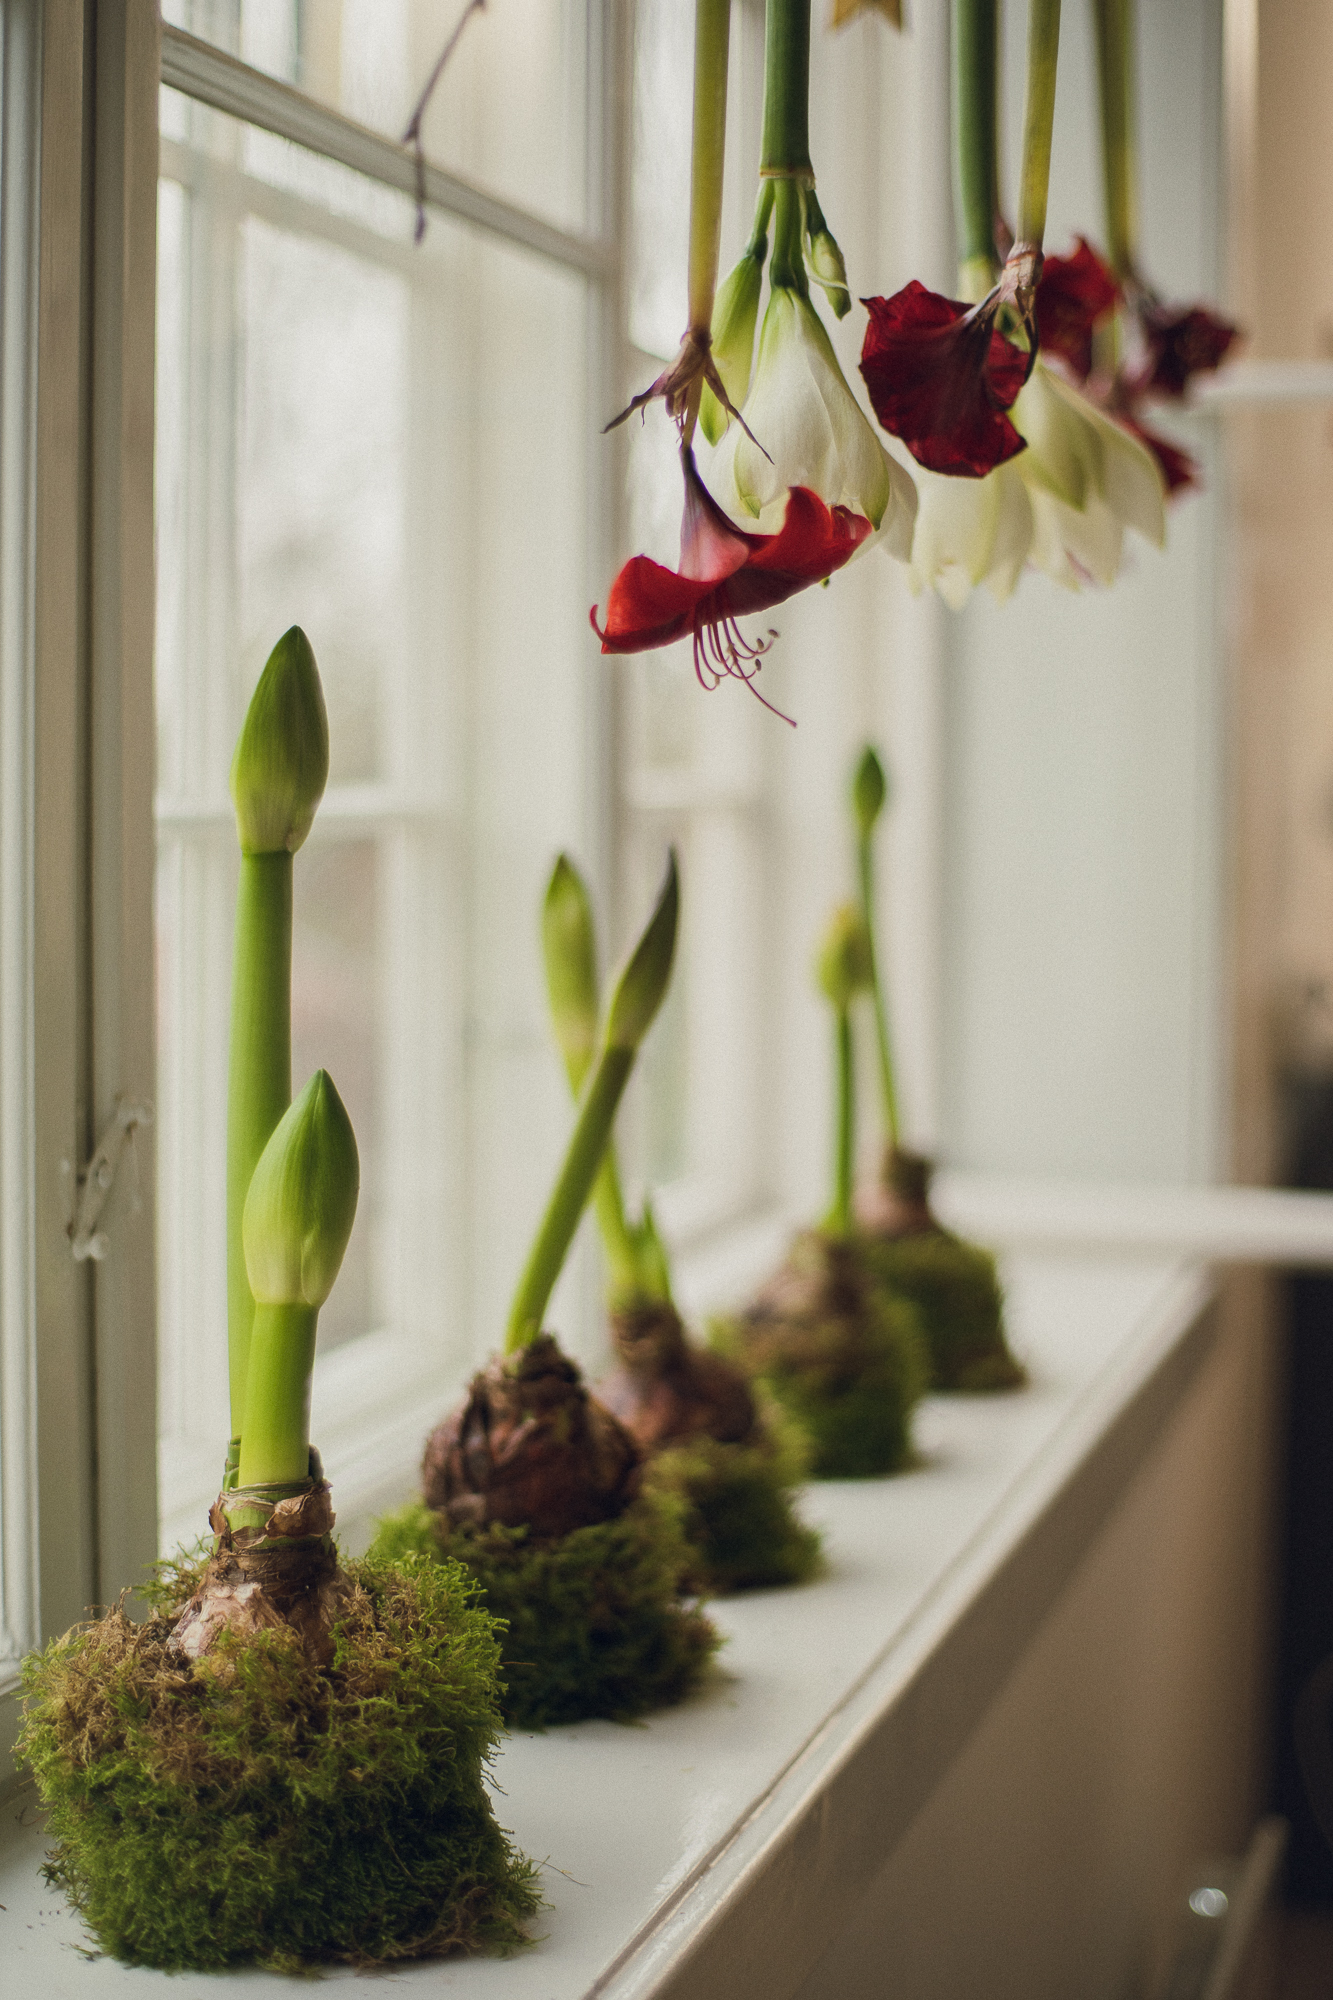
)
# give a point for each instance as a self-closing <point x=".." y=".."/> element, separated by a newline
<point x="712" y="31"/>
<point x="1038" y="125"/>
<point x="976" y="188"/>
<point x="1115" y="77"/>
<point x="785" y="150"/>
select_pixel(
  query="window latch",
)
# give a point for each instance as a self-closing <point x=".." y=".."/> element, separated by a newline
<point x="97" y="1179"/>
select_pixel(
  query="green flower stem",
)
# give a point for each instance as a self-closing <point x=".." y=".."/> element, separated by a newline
<point x="259" y="1083"/>
<point x="787" y="266"/>
<point x="976" y="174"/>
<point x="840" y="1215"/>
<point x="570" y="1195"/>
<point x="712" y="31"/>
<point x="1038" y="120"/>
<point x="786" y="136"/>
<point x="1115" y="76"/>
<point x="887" y="1084"/>
<point x="275" y="1444"/>
<point x="622" y="1262"/>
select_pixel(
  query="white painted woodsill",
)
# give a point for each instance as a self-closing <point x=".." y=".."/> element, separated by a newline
<point x="716" y="1850"/>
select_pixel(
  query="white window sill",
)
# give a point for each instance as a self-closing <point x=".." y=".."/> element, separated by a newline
<point x="718" y="1850"/>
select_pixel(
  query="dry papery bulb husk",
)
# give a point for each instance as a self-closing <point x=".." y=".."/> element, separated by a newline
<point x="953" y="1284"/>
<point x="666" y="1389"/>
<point x="530" y="1448"/>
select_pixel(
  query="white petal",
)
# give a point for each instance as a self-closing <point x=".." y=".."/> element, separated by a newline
<point x="1130" y="481"/>
<point x="811" y="429"/>
<point x="1013" y="533"/>
<point x="1064" y="452"/>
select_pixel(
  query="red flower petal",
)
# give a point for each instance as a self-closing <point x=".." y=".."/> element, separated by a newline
<point x="650" y="605"/>
<point x="1074" y="293"/>
<point x="941" y="378"/>
<point x="1183" y="341"/>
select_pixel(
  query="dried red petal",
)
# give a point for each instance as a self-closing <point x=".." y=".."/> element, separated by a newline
<point x="941" y="378"/>
<point x="1074" y="293"/>
<point x="1183" y="341"/>
<point x="725" y="574"/>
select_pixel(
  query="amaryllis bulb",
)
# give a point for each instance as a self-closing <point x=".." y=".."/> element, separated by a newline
<point x="807" y="429"/>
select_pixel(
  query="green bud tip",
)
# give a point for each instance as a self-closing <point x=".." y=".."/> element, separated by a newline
<point x="281" y="765"/>
<point x="843" y="967"/>
<point x="643" y="983"/>
<point x="569" y="948"/>
<point x="302" y="1200"/>
<point x="870" y="789"/>
<point x="735" y="316"/>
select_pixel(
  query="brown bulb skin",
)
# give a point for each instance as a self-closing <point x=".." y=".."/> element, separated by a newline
<point x="666" y="1390"/>
<point x="899" y="1202"/>
<point x="530" y="1448"/>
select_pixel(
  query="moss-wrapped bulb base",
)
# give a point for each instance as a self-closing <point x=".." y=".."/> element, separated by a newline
<point x="740" y="1517"/>
<point x="257" y="1808"/>
<point x="842" y="1357"/>
<point x="596" y="1622"/>
<point x="955" y="1288"/>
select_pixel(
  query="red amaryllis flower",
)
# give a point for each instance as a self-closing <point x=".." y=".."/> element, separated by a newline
<point x="1182" y="341"/>
<point x="941" y="378"/>
<point x="724" y="574"/>
<point x="1074" y="293"/>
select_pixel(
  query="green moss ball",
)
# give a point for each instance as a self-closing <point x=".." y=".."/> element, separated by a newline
<point x="256" y="1809"/>
<point x="596" y="1626"/>
<point x="849" y="1382"/>
<point x="740" y="1515"/>
<point x="956" y="1290"/>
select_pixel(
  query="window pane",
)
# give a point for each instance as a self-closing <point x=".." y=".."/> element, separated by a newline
<point x="510" y="111"/>
<point x="387" y="446"/>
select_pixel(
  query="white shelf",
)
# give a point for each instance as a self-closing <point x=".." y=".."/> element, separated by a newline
<point x="717" y="1850"/>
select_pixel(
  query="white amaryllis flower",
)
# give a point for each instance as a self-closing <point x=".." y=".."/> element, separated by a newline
<point x="812" y="432"/>
<point x="1062" y="505"/>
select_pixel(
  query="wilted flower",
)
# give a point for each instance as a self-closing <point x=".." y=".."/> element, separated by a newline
<point x="942" y="378"/>
<point x="804" y="428"/>
<point x="724" y="575"/>
<point x="1062" y="506"/>
<point x="1074" y="294"/>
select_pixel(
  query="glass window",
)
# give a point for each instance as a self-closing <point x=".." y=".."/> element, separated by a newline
<point x="386" y="445"/>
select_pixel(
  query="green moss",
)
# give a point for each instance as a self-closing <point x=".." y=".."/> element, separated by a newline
<point x="257" y="1809"/>
<point x="956" y="1290"/>
<point x="740" y="1517"/>
<point x="596" y="1625"/>
<point x="849" y="1383"/>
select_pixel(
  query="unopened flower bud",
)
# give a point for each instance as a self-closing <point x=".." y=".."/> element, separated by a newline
<point x="644" y="982"/>
<point x="281" y="765"/>
<point x="843" y="967"/>
<point x="302" y="1200"/>
<point x="570" y="951"/>
<point x="870" y="789"/>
